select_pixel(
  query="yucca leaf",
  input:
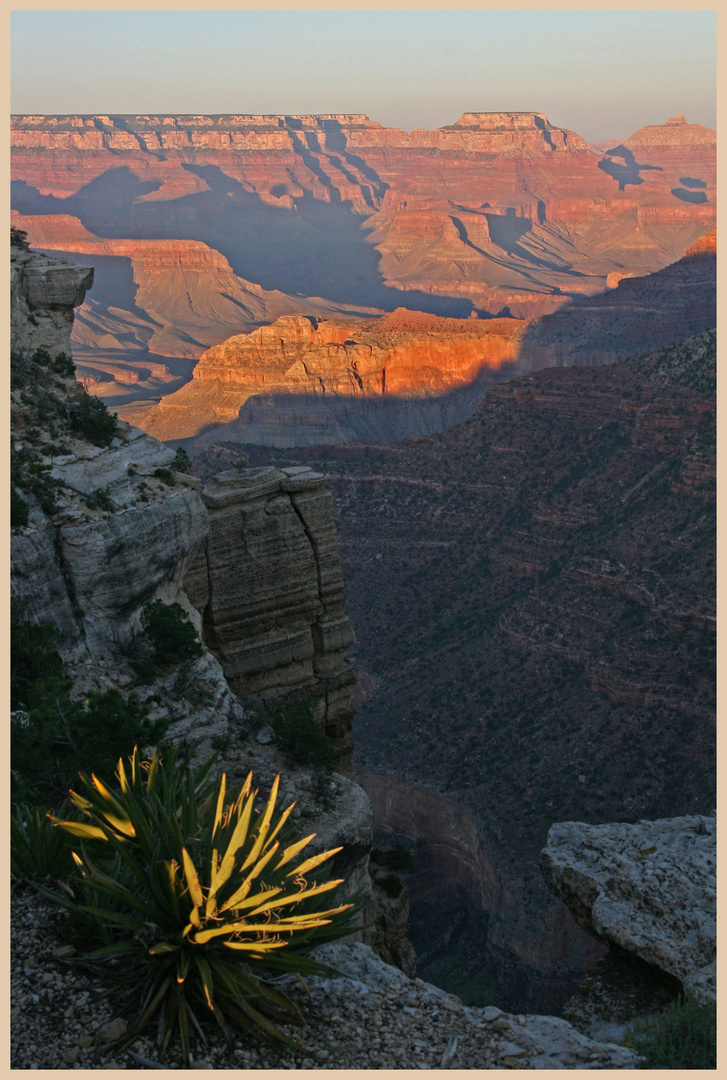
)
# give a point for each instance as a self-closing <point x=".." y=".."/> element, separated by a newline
<point x="77" y="828"/>
<point x="119" y="948"/>
<point x="163" y="948"/>
<point x="239" y="895"/>
<point x="315" y="860"/>
<point x="264" y="825"/>
<point x="220" y="803"/>
<point x="153" y="771"/>
<point x="291" y="851"/>
<point x="119" y="820"/>
<point x="238" y="837"/>
<point x="283" y="818"/>
<point x="255" y="946"/>
<point x="115" y="917"/>
<point x="121" y="773"/>
<point x="190" y="873"/>
<point x="205" y="975"/>
<point x="326" y="886"/>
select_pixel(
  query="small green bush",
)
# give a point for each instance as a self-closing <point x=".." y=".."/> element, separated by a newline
<point x="53" y="734"/>
<point x="197" y="902"/>
<point x="93" y="421"/>
<point x="182" y="461"/>
<point x="299" y="737"/>
<point x="682" y="1037"/>
<point x="18" y="509"/>
<point x="167" y="629"/>
<point x="393" y="886"/>
<point x="165" y="475"/>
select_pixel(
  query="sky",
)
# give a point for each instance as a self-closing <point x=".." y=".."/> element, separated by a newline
<point x="602" y="74"/>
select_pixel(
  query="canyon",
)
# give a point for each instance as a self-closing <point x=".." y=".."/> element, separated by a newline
<point x="531" y="590"/>
<point x="301" y="381"/>
<point x="200" y="228"/>
<point x="533" y="596"/>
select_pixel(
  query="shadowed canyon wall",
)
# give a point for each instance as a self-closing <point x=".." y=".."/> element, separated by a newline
<point x="533" y="595"/>
<point x="501" y="953"/>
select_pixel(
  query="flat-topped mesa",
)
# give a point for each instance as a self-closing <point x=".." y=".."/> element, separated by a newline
<point x="676" y="132"/>
<point x="124" y="132"/>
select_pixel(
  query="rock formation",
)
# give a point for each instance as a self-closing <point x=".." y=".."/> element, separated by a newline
<point x="254" y="560"/>
<point x="648" y="887"/>
<point x="303" y="381"/>
<point x="43" y="293"/>
<point x="258" y="216"/>
<point x="335" y="372"/>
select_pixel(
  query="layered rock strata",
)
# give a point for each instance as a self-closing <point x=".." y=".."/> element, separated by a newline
<point x="43" y="294"/>
<point x="269" y="584"/>
<point x="496" y="214"/>
<point x="253" y="559"/>
<point x="322" y="366"/>
<point x="648" y="887"/>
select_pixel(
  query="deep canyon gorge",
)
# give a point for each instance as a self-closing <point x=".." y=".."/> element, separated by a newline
<point x="494" y="345"/>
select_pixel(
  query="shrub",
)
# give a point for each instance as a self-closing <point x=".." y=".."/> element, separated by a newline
<point x="17" y="237"/>
<point x="682" y="1037"/>
<point x="53" y="734"/>
<point x="18" y="509"/>
<point x="92" y="421"/>
<point x="165" y="475"/>
<point x="393" y="886"/>
<point x="182" y="461"/>
<point x="299" y="737"/>
<point x="37" y="848"/>
<point x="196" y="902"/>
<point x="167" y="629"/>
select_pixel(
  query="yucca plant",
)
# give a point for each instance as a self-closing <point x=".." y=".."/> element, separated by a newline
<point x="197" y="903"/>
<point x="37" y="849"/>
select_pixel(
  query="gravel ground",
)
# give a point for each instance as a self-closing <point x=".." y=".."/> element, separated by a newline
<point x="371" y="1017"/>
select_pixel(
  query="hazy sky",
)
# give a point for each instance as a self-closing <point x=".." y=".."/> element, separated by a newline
<point x="601" y="73"/>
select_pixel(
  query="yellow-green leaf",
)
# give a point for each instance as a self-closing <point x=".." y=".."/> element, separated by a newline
<point x="316" y="860"/>
<point x="283" y="818"/>
<point x="121" y="773"/>
<point x="315" y="891"/>
<point x="252" y="946"/>
<point x="190" y="873"/>
<point x="220" y="803"/>
<point x="239" y="834"/>
<point x="77" y="828"/>
<point x="292" y="851"/>
<point x="162" y="948"/>
<point x="251" y="901"/>
<point x="264" y="825"/>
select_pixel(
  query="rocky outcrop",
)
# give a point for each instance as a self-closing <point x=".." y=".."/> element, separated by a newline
<point x="254" y="560"/>
<point x="43" y="294"/>
<point x="402" y="358"/>
<point x="648" y="887"/>
<point x="268" y="584"/>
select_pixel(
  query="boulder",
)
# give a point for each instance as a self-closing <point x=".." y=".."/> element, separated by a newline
<point x="648" y="887"/>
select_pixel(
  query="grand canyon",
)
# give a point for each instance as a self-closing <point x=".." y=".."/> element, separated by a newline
<point x="495" y="345"/>
<point x="202" y="228"/>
